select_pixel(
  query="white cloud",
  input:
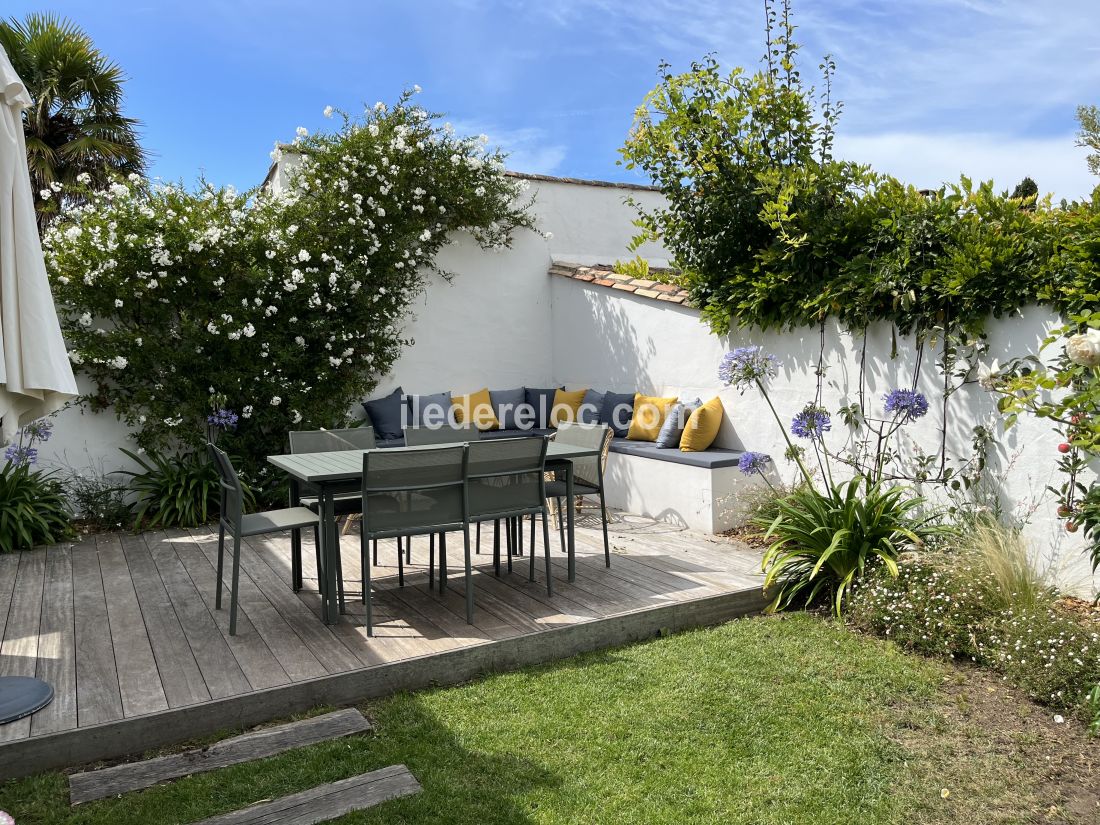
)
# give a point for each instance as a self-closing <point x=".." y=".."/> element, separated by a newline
<point x="529" y="149"/>
<point x="927" y="160"/>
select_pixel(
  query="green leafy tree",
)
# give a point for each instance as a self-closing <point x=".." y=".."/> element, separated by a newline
<point x="76" y="125"/>
<point x="1027" y="191"/>
<point x="1089" y="136"/>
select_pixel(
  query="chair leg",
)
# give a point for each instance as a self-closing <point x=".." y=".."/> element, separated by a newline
<point x="469" y="576"/>
<point x="443" y="561"/>
<point x="534" y="518"/>
<point x="236" y="582"/>
<point x="317" y="558"/>
<point x="408" y="549"/>
<point x="366" y="581"/>
<point x="400" y="564"/>
<point x="511" y="546"/>
<point x="431" y="561"/>
<point x="339" y="573"/>
<point x="546" y="550"/>
<point x="496" y="546"/>
<point x="561" y="524"/>
<point x="296" y="559"/>
<point x="531" y="555"/>
<point x="221" y="565"/>
<point x="477" y="545"/>
<point x="363" y="561"/>
<point x="375" y="552"/>
<point x="606" y="543"/>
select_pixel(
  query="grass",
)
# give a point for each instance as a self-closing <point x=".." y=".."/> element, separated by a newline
<point x="771" y="721"/>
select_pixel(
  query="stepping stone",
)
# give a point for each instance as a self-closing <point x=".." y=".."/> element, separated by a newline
<point x="326" y="802"/>
<point x="259" y="744"/>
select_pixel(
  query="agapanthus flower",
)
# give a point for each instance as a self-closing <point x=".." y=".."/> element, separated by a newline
<point x="751" y="462"/>
<point x="744" y="366"/>
<point x="223" y="419"/>
<point x="19" y="455"/>
<point x="905" y="405"/>
<point x="40" y="430"/>
<point x="813" y="422"/>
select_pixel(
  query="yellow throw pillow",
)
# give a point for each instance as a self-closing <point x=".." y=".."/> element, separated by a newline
<point x="475" y="408"/>
<point x="702" y="427"/>
<point x="566" y="405"/>
<point x="650" y="413"/>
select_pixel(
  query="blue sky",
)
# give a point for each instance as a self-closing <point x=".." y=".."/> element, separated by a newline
<point x="932" y="88"/>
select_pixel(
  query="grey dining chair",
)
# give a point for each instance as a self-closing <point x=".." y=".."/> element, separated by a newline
<point x="306" y="495"/>
<point x="507" y="481"/>
<point x="426" y="436"/>
<point x="588" y="477"/>
<point x="239" y="525"/>
<point x="447" y="434"/>
<point x="415" y="492"/>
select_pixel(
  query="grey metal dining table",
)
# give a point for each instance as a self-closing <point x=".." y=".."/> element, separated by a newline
<point x="334" y="473"/>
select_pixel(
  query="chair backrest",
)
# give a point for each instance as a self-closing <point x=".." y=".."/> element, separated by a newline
<point x="232" y="496"/>
<point x="360" y="438"/>
<point x="447" y="434"/>
<point x="507" y="477"/>
<point x="587" y="470"/>
<point x="317" y="441"/>
<point x="414" y="491"/>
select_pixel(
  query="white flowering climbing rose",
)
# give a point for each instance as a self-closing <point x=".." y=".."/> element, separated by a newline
<point x="285" y="309"/>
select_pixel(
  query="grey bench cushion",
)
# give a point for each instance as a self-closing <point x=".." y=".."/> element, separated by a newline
<point x="711" y="459"/>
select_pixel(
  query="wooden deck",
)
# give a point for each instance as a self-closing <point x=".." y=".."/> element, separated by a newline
<point x="124" y="628"/>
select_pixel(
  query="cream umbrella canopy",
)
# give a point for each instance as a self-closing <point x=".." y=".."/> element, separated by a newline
<point x="35" y="375"/>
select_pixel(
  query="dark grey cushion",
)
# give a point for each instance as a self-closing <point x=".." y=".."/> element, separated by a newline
<point x="489" y="435"/>
<point x="673" y="428"/>
<point x="591" y="407"/>
<point x="506" y="403"/>
<point x="385" y="414"/>
<point x="542" y="402"/>
<point x="712" y="459"/>
<point x="429" y="410"/>
<point x="618" y="409"/>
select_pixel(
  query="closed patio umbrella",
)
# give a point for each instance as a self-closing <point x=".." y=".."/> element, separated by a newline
<point x="35" y="375"/>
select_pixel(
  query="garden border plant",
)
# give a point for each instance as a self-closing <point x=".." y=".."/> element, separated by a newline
<point x="280" y="309"/>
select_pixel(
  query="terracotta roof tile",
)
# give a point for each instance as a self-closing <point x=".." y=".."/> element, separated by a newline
<point x="605" y="276"/>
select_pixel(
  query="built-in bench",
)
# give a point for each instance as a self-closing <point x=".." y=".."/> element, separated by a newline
<point x="688" y="489"/>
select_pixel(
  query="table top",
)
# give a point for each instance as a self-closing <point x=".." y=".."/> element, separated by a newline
<point x="346" y="465"/>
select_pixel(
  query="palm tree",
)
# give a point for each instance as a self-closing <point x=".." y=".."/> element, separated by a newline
<point x="75" y="125"/>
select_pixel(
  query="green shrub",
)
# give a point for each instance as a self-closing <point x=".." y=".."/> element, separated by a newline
<point x="1094" y="710"/>
<point x="100" y="499"/>
<point x="824" y="541"/>
<point x="176" y="491"/>
<point x="951" y="604"/>
<point x="32" y="508"/>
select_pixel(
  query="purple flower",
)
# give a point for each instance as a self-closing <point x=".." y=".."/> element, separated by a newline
<point x="223" y="419"/>
<point x="905" y="405"/>
<point x="19" y="455"/>
<point x="813" y="422"/>
<point x="745" y="366"/>
<point x="751" y="462"/>
<point x="39" y="430"/>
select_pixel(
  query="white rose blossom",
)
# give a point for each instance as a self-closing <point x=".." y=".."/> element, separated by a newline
<point x="1084" y="349"/>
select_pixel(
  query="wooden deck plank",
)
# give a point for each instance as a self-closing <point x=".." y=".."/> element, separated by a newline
<point x="180" y="674"/>
<point x="258" y="744"/>
<point x="223" y="670"/>
<point x="266" y="647"/>
<point x="57" y="643"/>
<point x="138" y="679"/>
<point x="19" y="651"/>
<point x="327" y="802"/>
<point x="97" y="690"/>
<point x="9" y="571"/>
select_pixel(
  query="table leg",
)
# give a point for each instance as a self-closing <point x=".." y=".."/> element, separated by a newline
<point x="330" y="598"/>
<point x="570" y="509"/>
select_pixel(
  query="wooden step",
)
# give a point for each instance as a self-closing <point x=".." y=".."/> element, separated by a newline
<point x="326" y="802"/>
<point x="258" y="744"/>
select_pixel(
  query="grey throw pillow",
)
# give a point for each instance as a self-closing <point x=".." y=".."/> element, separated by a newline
<point x="673" y="428"/>
<point x="506" y="404"/>
<point x="385" y="414"/>
<point x="591" y="407"/>
<point x="618" y="409"/>
<point x="429" y="410"/>
<point x="542" y="402"/>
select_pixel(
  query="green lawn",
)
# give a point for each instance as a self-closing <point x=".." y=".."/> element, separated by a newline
<point x="790" y="721"/>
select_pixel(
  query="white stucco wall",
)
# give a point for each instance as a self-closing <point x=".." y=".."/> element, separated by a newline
<point x="504" y="322"/>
